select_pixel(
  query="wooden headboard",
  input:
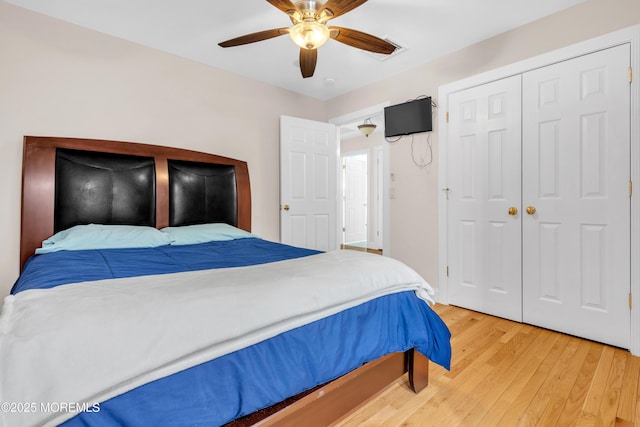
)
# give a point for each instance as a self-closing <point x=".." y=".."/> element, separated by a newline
<point x="39" y="185"/>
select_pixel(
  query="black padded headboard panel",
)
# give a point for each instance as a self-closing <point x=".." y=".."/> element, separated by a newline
<point x="103" y="188"/>
<point x="202" y="193"/>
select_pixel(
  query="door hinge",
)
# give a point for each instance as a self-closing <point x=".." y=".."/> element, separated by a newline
<point x="446" y="116"/>
<point x="630" y="301"/>
<point x="630" y="75"/>
<point x="344" y="229"/>
<point x="447" y="272"/>
<point x="630" y="188"/>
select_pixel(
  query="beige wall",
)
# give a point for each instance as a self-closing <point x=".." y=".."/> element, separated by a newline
<point x="61" y="80"/>
<point x="414" y="211"/>
<point x="58" y="79"/>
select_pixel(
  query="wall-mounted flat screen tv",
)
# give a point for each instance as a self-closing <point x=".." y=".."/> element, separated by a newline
<point x="407" y="118"/>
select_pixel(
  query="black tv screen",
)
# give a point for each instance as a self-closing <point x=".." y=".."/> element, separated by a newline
<point x="407" y="118"/>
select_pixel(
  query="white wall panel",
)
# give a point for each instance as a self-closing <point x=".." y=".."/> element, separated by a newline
<point x="548" y="160"/>
<point x="468" y="253"/>
<point x="592" y="266"/>
<point x="497" y="256"/>
<point x="592" y="151"/>
<point x="497" y="140"/>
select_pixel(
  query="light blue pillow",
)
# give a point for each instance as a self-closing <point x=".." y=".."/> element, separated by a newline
<point x="202" y="233"/>
<point x="98" y="236"/>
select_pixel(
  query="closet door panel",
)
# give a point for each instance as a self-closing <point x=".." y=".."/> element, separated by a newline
<point x="576" y="245"/>
<point x="484" y="167"/>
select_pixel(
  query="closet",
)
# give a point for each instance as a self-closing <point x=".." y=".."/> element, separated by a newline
<point x="538" y="196"/>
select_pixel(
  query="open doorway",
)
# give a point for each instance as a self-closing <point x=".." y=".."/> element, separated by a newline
<point x="355" y="200"/>
<point x="363" y="213"/>
<point x="360" y="207"/>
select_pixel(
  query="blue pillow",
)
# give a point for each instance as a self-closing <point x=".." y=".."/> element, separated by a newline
<point x="98" y="236"/>
<point x="202" y="233"/>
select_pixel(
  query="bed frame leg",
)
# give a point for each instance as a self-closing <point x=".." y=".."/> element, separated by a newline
<point x="418" y="367"/>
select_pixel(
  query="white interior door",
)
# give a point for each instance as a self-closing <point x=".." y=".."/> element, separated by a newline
<point x="576" y="253"/>
<point x="308" y="183"/>
<point x="484" y="198"/>
<point x="355" y="199"/>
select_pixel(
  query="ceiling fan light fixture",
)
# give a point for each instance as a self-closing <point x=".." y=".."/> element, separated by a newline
<point x="309" y="30"/>
<point x="367" y="128"/>
<point x="309" y="34"/>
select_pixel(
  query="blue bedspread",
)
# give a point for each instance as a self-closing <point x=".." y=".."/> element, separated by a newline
<point x="258" y="376"/>
<point x="58" y="268"/>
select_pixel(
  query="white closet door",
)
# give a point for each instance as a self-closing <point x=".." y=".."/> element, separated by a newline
<point x="484" y="169"/>
<point x="576" y="253"/>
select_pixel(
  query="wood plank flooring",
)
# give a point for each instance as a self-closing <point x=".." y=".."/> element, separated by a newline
<point x="509" y="374"/>
<point x="361" y="249"/>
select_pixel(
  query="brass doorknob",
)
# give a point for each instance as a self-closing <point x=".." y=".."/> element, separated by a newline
<point x="286" y="207"/>
<point x="531" y="210"/>
<point x="513" y="210"/>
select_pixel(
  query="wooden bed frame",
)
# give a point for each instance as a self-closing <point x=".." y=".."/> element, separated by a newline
<point x="320" y="406"/>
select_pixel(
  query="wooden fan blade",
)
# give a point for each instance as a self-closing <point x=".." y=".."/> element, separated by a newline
<point x="361" y="40"/>
<point x="254" y="37"/>
<point x="340" y="7"/>
<point x="284" y="5"/>
<point x="308" y="60"/>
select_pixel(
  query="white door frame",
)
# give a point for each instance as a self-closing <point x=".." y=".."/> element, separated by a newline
<point x="628" y="35"/>
<point x="378" y="203"/>
<point x="374" y="190"/>
<point x="360" y="116"/>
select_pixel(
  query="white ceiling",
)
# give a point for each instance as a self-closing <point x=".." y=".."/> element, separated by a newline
<point x="193" y="28"/>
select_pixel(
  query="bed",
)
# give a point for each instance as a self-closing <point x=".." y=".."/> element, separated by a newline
<point x="208" y="327"/>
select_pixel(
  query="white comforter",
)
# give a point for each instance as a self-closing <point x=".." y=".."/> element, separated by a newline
<point x="66" y="348"/>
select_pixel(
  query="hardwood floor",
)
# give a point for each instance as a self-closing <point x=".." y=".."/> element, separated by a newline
<point x="509" y="374"/>
<point x="357" y="248"/>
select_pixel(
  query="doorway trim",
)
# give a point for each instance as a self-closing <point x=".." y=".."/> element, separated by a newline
<point x="360" y="116"/>
<point x="629" y="35"/>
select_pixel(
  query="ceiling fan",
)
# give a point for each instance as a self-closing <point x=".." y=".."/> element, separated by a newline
<point x="310" y="30"/>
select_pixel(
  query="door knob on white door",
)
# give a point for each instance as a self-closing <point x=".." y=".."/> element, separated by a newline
<point x="513" y="211"/>
<point x="286" y="207"/>
<point x="531" y="210"/>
